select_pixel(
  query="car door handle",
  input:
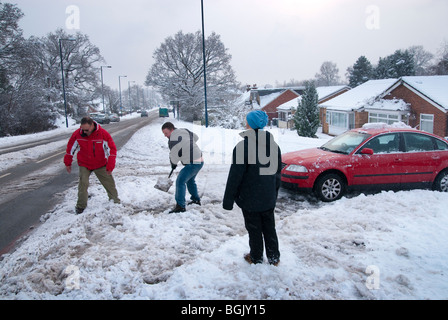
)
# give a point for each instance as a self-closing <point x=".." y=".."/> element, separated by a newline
<point x="398" y="160"/>
<point x="435" y="157"/>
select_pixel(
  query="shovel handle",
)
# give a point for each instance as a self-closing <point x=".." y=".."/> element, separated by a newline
<point x="172" y="170"/>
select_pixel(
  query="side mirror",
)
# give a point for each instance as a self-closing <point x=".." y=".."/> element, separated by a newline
<point x="367" y="151"/>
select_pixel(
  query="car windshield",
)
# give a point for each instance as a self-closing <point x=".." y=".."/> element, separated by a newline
<point x="346" y="142"/>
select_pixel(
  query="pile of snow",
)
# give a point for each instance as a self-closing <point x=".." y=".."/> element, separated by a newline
<point x="390" y="104"/>
<point x="381" y="246"/>
<point x="382" y="125"/>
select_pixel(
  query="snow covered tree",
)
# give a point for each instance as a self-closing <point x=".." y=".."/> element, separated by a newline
<point x="422" y="60"/>
<point x="30" y="75"/>
<point x="441" y="65"/>
<point x="22" y="106"/>
<point x="329" y="74"/>
<point x="362" y="71"/>
<point x="81" y="61"/>
<point x="178" y="73"/>
<point x="306" y="118"/>
<point x="397" y="65"/>
<point x="10" y="32"/>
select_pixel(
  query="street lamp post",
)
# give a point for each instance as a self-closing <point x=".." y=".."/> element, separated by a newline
<point x="203" y="57"/>
<point x="129" y="95"/>
<point x="121" y="102"/>
<point x="63" y="81"/>
<point x="102" y="86"/>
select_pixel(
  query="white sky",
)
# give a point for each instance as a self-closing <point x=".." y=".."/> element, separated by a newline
<point x="269" y="40"/>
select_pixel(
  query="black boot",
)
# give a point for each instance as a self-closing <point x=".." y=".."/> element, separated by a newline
<point x="178" y="208"/>
<point x="198" y="202"/>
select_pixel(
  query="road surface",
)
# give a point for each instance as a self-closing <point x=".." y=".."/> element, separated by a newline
<point x="31" y="189"/>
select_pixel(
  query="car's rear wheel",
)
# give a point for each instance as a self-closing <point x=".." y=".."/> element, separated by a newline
<point x="441" y="182"/>
<point x="330" y="187"/>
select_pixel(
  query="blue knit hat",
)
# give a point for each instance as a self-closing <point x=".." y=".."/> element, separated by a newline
<point x="257" y="119"/>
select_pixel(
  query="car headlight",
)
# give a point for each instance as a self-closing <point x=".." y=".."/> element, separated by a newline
<point x="296" y="168"/>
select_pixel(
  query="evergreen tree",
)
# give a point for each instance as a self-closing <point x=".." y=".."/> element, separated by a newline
<point x="361" y="72"/>
<point x="397" y="65"/>
<point x="306" y="118"/>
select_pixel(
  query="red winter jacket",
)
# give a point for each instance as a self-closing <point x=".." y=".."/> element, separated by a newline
<point x="95" y="151"/>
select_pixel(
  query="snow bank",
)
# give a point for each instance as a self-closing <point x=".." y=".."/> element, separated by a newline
<point x="382" y="246"/>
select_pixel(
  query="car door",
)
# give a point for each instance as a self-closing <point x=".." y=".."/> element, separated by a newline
<point x="421" y="159"/>
<point x="383" y="167"/>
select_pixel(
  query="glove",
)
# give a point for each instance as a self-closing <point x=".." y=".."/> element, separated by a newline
<point x="68" y="160"/>
<point x="173" y="166"/>
<point x="110" y="164"/>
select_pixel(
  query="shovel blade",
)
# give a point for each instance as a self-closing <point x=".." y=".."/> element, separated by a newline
<point x="163" y="184"/>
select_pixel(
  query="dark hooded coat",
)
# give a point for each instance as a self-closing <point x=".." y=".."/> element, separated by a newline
<point x="254" y="176"/>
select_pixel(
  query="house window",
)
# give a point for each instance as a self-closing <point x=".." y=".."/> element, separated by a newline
<point x="427" y="122"/>
<point x="337" y="119"/>
<point x="383" y="117"/>
<point x="351" y="121"/>
<point x="283" y="116"/>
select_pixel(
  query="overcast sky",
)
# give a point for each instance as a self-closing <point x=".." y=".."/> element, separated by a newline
<point x="269" y="40"/>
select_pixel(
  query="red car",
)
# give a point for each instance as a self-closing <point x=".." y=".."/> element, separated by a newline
<point x="369" y="158"/>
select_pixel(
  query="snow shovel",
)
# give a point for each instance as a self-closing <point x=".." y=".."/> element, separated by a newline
<point x="164" y="184"/>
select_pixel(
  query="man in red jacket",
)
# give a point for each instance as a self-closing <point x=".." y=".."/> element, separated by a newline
<point x="97" y="153"/>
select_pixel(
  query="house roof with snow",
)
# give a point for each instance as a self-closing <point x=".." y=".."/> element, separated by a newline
<point x="263" y="97"/>
<point x="268" y="98"/>
<point x="432" y="88"/>
<point x="369" y="94"/>
<point x="322" y="92"/>
<point x="290" y="105"/>
<point x="327" y="92"/>
<point x="361" y="96"/>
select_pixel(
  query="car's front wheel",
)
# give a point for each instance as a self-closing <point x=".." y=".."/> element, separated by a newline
<point x="330" y="187"/>
<point x="441" y="182"/>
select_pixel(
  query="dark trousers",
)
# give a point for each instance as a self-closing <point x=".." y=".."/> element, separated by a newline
<point x="261" y="225"/>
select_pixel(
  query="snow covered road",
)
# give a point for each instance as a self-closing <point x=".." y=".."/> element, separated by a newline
<point x="389" y="245"/>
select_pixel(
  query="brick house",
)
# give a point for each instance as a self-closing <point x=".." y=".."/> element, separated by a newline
<point x="286" y="110"/>
<point x="421" y="102"/>
<point x="269" y="99"/>
<point x="428" y="101"/>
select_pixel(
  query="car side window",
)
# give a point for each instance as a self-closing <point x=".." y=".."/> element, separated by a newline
<point x="387" y="143"/>
<point x="441" y="145"/>
<point x="416" y="142"/>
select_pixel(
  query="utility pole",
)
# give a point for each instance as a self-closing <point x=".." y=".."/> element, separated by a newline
<point x="203" y="56"/>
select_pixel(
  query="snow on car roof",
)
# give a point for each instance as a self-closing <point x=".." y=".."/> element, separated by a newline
<point x="382" y="125"/>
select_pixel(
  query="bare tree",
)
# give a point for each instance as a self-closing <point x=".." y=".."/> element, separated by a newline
<point x="178" y="73"/>
<point x="30" y="75"/>
<point x="10" y="32"/>
<point x="81" y="61"/>
<point x="329" y="74"/>
<point x="441" y="65"/>
<point x="22" y="108"/>
<point x="422" y="60"/>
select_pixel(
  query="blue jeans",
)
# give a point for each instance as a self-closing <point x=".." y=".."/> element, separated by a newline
<point x="186" y="180"/>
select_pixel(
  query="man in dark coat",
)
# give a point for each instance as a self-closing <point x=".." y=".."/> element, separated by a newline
<point x="253" y="183"/>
